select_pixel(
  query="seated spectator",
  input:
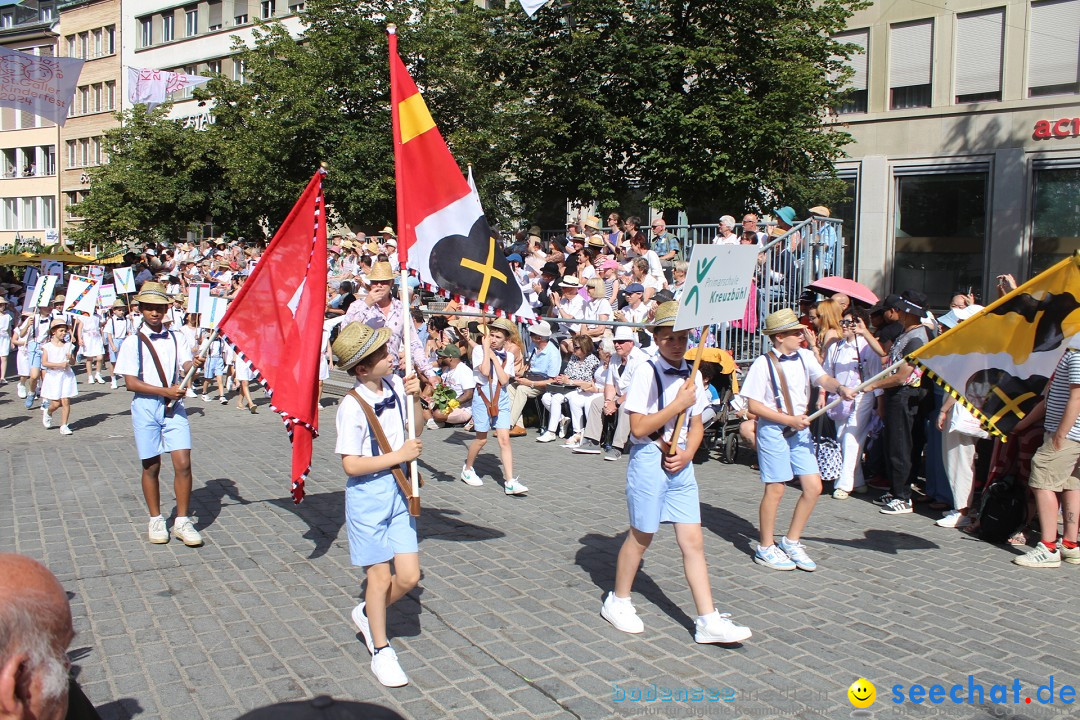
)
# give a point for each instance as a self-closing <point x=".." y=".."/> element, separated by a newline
<point x="596" y="307"/>
<point x="620" y="369"/>
<point x="652" y="268"/>
<point x="580" y="374"/>
<point x="541" y="366"/>
<point x="609" y="273"/>
<point x="457" y="376"/>
<point x="636" y="311"/>
<point x="340" y="304"/>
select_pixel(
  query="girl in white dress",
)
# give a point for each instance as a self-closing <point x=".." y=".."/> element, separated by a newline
<point x="5" y="338"/>
<point x="243" y="373"/>
<point x="19" y="339"/>
<point x="92" y="345"/>
<point x="58" y="385"/>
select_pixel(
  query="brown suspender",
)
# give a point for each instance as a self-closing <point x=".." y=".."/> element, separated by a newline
<point x="384" y="445"/>
<point x="145" y="342"/>
<point x="784" y="386"/>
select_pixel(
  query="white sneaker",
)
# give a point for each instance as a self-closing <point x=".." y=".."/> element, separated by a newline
<point x="191" y="393"/>
<point x="773" y="557"/>
<point x="387" y="669"/>
<point x="796" y="552"/>
<point x="547" y="436"/>
<point x="205" y="398"/>
<point x="514" y="487"/>
<point x="1039" y="556"/>
<point x="20" y="390"/>
<point x="113" y="383"/>
<point x="99" y="379"/>
<point x="65" y="430"/>
<point x="954" y="520"/>
<point x="573" y="442"/>
<point x="469" y="477"/>
<point x="223" y="400"/>
<point x="621" y="614"/>
<point x="185" y="532"/>
<point x="718" y="628"/>
<point x="46" y="418"/>
<point x="839" y="494"/>
<point x="362" y="624"/>
<point x="159" y="534"/>
<point x="431" y="424"/>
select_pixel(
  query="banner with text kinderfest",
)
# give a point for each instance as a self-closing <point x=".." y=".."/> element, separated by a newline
<point x="41" y="85"/>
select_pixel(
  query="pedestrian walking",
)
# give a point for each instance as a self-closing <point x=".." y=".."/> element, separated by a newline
<point x="58" y="383"/>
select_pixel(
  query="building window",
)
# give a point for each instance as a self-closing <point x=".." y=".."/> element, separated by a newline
<point x="911" y="62"/>
<point x="84" y="152"/>
<point x="71" y="46"/>
<point x="1055" y="226"/>
<point x="856" y="101"/>
<point x="940" y="231"/>
<point x="238" y="71"/>
<point x="167" y="22"/>
<point x="7" y="18"/>
<point x="84" y="45"/>
<point x="46" y="12"/>
<point x="979" y="38"/>
<point x="1054" y="48"/>
<point x="240" y="20"/>
<point x="72" y="154"/>
<point x="191" y="22"/>
<point x="84" y="99"/>
<point x="110" y="40"/>
<point x="110" y="95"/>
<point x="98" y="52"/>
<point x="214" y="15"/>
<point x="146" y="32"/>
<point x="49" y="156"/>
<point x="99" y="103"/>
<point x="267" y="9"/>
<point x="28" y="213"/>
<point x="296" y="7"/>
<point x="213" y="66"/>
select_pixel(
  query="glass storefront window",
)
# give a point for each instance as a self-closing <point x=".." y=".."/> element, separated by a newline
<point x="1055" y="226"/>
<point x="940" y="232"/>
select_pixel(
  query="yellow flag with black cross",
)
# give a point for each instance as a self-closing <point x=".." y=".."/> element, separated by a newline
<point x="997" y="362"/>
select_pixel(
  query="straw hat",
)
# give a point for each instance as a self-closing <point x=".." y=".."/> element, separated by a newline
<point x="540" y="329"/>
<point x="356" y="342"/>
<point x="381" y="271"/>
<point x="3" y="300"/>
<point x="820" y="211"/>
<point x="499" y="324"/>
<point x="387" y="231"/>
<point x="625" y="333"/>
<point x="782" y="321"/>
<point x="118" y="303"/>
<point x="592" y="222"/>
<point x="596" y="241"/>
<point x="372" y="247"/>
<point x="153" y="293"/>
<point x="665" y="314"/>
<point x="58" y="322"/>
<point x="569" y="281"/>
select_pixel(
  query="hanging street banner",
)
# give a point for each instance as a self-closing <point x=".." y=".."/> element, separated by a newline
<point x="41" y="85"/>
<point x="717" y="285"/>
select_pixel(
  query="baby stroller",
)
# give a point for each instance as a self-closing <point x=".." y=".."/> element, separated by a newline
<point x="718" y="375"/>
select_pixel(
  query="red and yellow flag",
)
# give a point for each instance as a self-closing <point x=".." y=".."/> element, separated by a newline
<point x="443" y="235"/>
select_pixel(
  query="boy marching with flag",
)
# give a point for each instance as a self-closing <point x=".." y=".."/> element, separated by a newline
<point x="374" y="446"/>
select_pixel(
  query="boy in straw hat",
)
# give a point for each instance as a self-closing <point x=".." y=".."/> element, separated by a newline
<point x="376" y="511"/>
<point x="116" y="329"/>
<point x="777" y="390"/>
<point x="159" y="428"/>
<point x="660" y="488"/>
<point x="493" y="368"/>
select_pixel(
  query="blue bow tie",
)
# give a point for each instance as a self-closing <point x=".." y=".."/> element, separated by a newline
<point x="163" y="335"/>
<point x="390" y="402"/>
<point x="681" y="372"/>
<point x="788" y="358"/>
<point x="501" y="354"/>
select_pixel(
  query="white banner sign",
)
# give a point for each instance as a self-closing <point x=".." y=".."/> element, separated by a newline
<point x="198" y="298"/>
<point x="106" y="296"/>
<point x="39" y="84"/>
<point x="54" y="268"/>
<point x="717" y="285"/>
<point x="124" y="280"/>
<point x="96" y="273"/>
<point x="81" y="296"/>
<point x="30" y="276"/>
<point x="43" y="290"/>
<point x="213" y="309"/>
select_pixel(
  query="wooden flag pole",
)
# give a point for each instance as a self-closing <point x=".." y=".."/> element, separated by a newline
<point x="410" y="406"/>
<point x="191" y="370"/>
<point x="681" y="420"/>
<point x="858" y="389"/>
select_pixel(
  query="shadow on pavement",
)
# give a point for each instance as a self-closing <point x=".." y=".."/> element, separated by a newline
<point x="89" y="421"/>
<point x="206" y="501"/>
<point x="597" y="557"/>
<point x="324" y="514"/>
<point x="886" y="541"/>
<point x="123" y="709"/>
<point x="13" y="421"/>
<point x="733" y="528"/>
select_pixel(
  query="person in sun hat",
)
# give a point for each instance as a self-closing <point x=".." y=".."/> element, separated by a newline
<point x="380" y="308"/>
<point x="777" y="390"/>
<point x="158" y="416"/>
<point x="382" y="534"/>
<point x="58" y="385"/>
<point x="493" y="362"/>
<point x="660" y="487"/>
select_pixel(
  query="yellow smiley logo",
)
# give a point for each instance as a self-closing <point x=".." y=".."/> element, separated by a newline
<point x="862" y="693"/>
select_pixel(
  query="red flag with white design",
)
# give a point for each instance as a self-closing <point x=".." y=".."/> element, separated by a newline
<point x="275" y="323"/>
<point x="443" y="236"/>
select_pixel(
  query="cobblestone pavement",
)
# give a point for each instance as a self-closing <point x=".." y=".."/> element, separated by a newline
<point x="506" y="623"/>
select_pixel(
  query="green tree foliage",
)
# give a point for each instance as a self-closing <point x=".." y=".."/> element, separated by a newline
<point x="687" y="103"/>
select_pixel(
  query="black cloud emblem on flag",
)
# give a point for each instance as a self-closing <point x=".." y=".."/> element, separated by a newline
<point x="475" y="266"/>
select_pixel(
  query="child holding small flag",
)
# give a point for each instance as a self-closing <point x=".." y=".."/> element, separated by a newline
<point x="380" y="529"/>
<point x="493" y="367"/>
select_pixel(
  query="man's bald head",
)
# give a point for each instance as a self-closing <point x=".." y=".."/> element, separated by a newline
<point x="843" y="300"/>
<point x="35" y="630"/>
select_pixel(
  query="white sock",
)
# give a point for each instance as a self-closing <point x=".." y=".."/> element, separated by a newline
<point x="180" y="519"/>
<point x="705" y="618"/>
<point x="156" y="517"/>
<point x="619" y="600"/>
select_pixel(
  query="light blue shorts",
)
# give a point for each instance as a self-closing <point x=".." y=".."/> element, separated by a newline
<point x="481" y="420"/>
<point x="34" y="350"/>
<point x="154" y="432"/>
<point x="653" y="496"/>
<point x="112" y="354"/>
<point x="377" y="519"/>
<point x="782" y="458"/>
<point x="215" y="366"/>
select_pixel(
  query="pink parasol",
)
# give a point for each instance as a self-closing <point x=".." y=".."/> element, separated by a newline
<point x="854" y="290"/>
